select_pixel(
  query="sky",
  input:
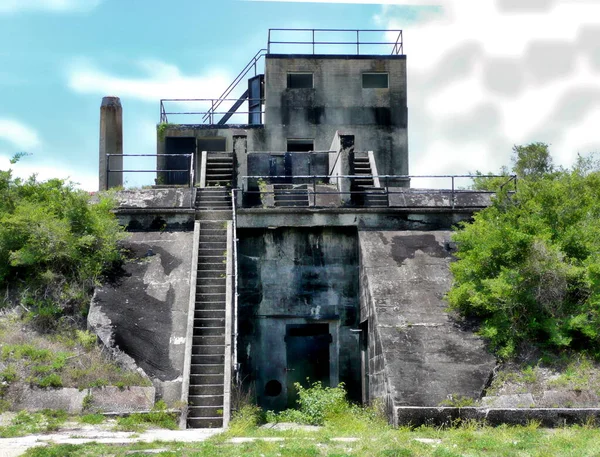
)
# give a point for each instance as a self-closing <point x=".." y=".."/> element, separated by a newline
<point x="482" y="75"/>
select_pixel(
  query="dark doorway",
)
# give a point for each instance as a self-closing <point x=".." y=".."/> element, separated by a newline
<point x="307" y="351"/>
<point x="300" y="145"/>
<point x="212" y="144"/>
<point x="173" y="146"/>
<point x="280" y="168"/>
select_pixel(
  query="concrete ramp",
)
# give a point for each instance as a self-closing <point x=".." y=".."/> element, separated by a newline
<point x="416" y="355"/>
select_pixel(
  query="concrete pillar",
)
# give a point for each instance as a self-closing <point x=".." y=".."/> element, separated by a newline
<point x="240" y="152"/>
<point x="111" y="142"/>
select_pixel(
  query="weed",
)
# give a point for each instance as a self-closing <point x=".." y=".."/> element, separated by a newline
<point x="87" y="402"/>
<point x="92" y="419"/>
<point x="457" y="401"/>
<point x="158" y="417"/>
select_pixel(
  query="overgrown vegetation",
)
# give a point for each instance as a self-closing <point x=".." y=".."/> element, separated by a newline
<point x="54" y="247"/>
<point x="67" y="358"/>
<point x="315" y="404"/>
<point x="529" y="266"/>
<point x="158" y="417"/>
<point x="25" y="423"/>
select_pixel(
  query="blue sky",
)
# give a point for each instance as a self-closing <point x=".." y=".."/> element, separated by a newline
<point x="481" y="77"/>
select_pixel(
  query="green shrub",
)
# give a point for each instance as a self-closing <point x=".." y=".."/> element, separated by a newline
<point x="315" y="404"/>
<point x="158" y="417"/>
<point x="54" y="244"/>
<point x="529" y="266"/>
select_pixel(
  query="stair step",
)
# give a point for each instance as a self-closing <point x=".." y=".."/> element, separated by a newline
<point x="208" y="358"/>
<point x="205" y="422"/>
<point x="211" y="253"/>
<point x="208" y="350"/>
<point x="211" y="266"/>
<point x="208" y="340"/>
<point x="207" y="369"/>
<point x="201" y="379"/>
<point x="210" y="297"/>
<point x="209" y="313"/>
<point x="210" y="274"/>
<point x="206" y="226"/>
<point x="207" y="389"/>
<point x="204" y="245"/>
<point x="291" y="197"/>
<point x="204" y="411"/>
<point x="209" y="331"/>
<point x="211" y="289"/>
<point x="209" y="323"/>
<point x="205" y="400"/>
<point x="292" y="204"/>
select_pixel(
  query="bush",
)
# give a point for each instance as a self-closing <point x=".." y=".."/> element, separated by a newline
<point x="54" y="244"/>
<point x="316" y="403"/>
<point x="529" y="266"/>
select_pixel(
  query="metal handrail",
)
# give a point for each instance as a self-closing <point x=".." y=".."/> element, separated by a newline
<point x="398" y="45"/>
<point x="384" y="189"/>
<point x="121" y="170"/>
<point x="252" y="64"/>
<point x="207" y="114"/>
<point x="235" y="286"/>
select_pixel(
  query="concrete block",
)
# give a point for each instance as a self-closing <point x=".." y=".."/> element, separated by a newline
<point x="67" y="399"/>
<point x="568" y="399"/>
<point x="129" y="399"/>
<point x="509" y="401"/>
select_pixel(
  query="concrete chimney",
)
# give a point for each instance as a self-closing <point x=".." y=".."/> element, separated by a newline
<point x="111" y="142"/>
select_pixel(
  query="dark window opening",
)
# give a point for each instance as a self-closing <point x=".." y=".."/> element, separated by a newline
<point x="375" y="80"/>
<point x="298" y="145"/>
<point x="300" y="80"/>
<point x="273" y="388"/>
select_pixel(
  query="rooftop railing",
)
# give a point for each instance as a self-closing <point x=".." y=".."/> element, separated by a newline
<point x="335" y="41"/>
<point x="206" y="111"/>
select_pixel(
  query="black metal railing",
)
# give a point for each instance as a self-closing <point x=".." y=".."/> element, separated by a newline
<point x="315" y="41"/>
<point x="165" y="173"/>
<point x="239" y="78"/>
<point x="351" y="194"/>
<point x="207" y="114"/>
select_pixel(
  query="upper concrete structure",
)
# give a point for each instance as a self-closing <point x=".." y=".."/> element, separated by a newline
<point x="298" y="105"/>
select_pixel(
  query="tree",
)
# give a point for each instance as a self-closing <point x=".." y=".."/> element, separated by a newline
<point x="529" y="266"/>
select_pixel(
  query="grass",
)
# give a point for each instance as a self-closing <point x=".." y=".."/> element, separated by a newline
<point x="68" y="358"/>
<point x="375" y="439"/>
<point x="25" y="423"/>
<point x="158" y="417"/>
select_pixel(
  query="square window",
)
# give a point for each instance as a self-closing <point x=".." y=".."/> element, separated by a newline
<point x="375" y="80"/>
<point x="300" y="81"/>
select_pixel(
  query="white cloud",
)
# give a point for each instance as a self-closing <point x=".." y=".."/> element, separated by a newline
<point x="483" y="76"/>
<point x="19" y="135"/>
<point x="362" y="2"/>
<point x="161" y="80"/>
<point x="15" y="6"/>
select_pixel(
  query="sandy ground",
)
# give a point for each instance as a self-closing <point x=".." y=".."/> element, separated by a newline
<point x="13" y="447"/>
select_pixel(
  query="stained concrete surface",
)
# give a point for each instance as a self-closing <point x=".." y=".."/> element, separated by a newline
<point x="417" y="355"/>
<point x="142" y="314"/>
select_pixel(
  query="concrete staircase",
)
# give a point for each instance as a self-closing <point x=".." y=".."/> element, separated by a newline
<point x="207" y="383"/>
<point x="290" y="195"/>
<point x="219" y="169"/>
<point x="213" y="198"/>
<point x="366" y="194"/>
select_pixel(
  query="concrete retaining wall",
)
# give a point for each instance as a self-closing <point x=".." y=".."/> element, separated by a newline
<point x="98" y="399"/>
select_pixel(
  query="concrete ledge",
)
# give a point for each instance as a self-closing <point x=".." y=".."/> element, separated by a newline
<point x="547" y="417"/>
<point x="98" y="399"/>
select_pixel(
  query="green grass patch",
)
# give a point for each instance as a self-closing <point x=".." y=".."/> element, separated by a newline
<point x="158" y="417"/>
<point x="25" y="423"/>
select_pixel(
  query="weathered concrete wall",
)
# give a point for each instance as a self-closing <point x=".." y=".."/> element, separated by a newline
<point x="111" y="142"/>
<point x="296" y="276"/>
<point x="417" y="355"/>
<point x="376" y="117"/>
<point x="363" y="218"/>
<point x="155" y="209"/>
<point x="99" y="399"/>
<point x="142" y="315"/>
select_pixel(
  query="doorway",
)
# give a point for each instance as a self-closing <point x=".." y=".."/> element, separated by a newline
<point x="307" y="352"/>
